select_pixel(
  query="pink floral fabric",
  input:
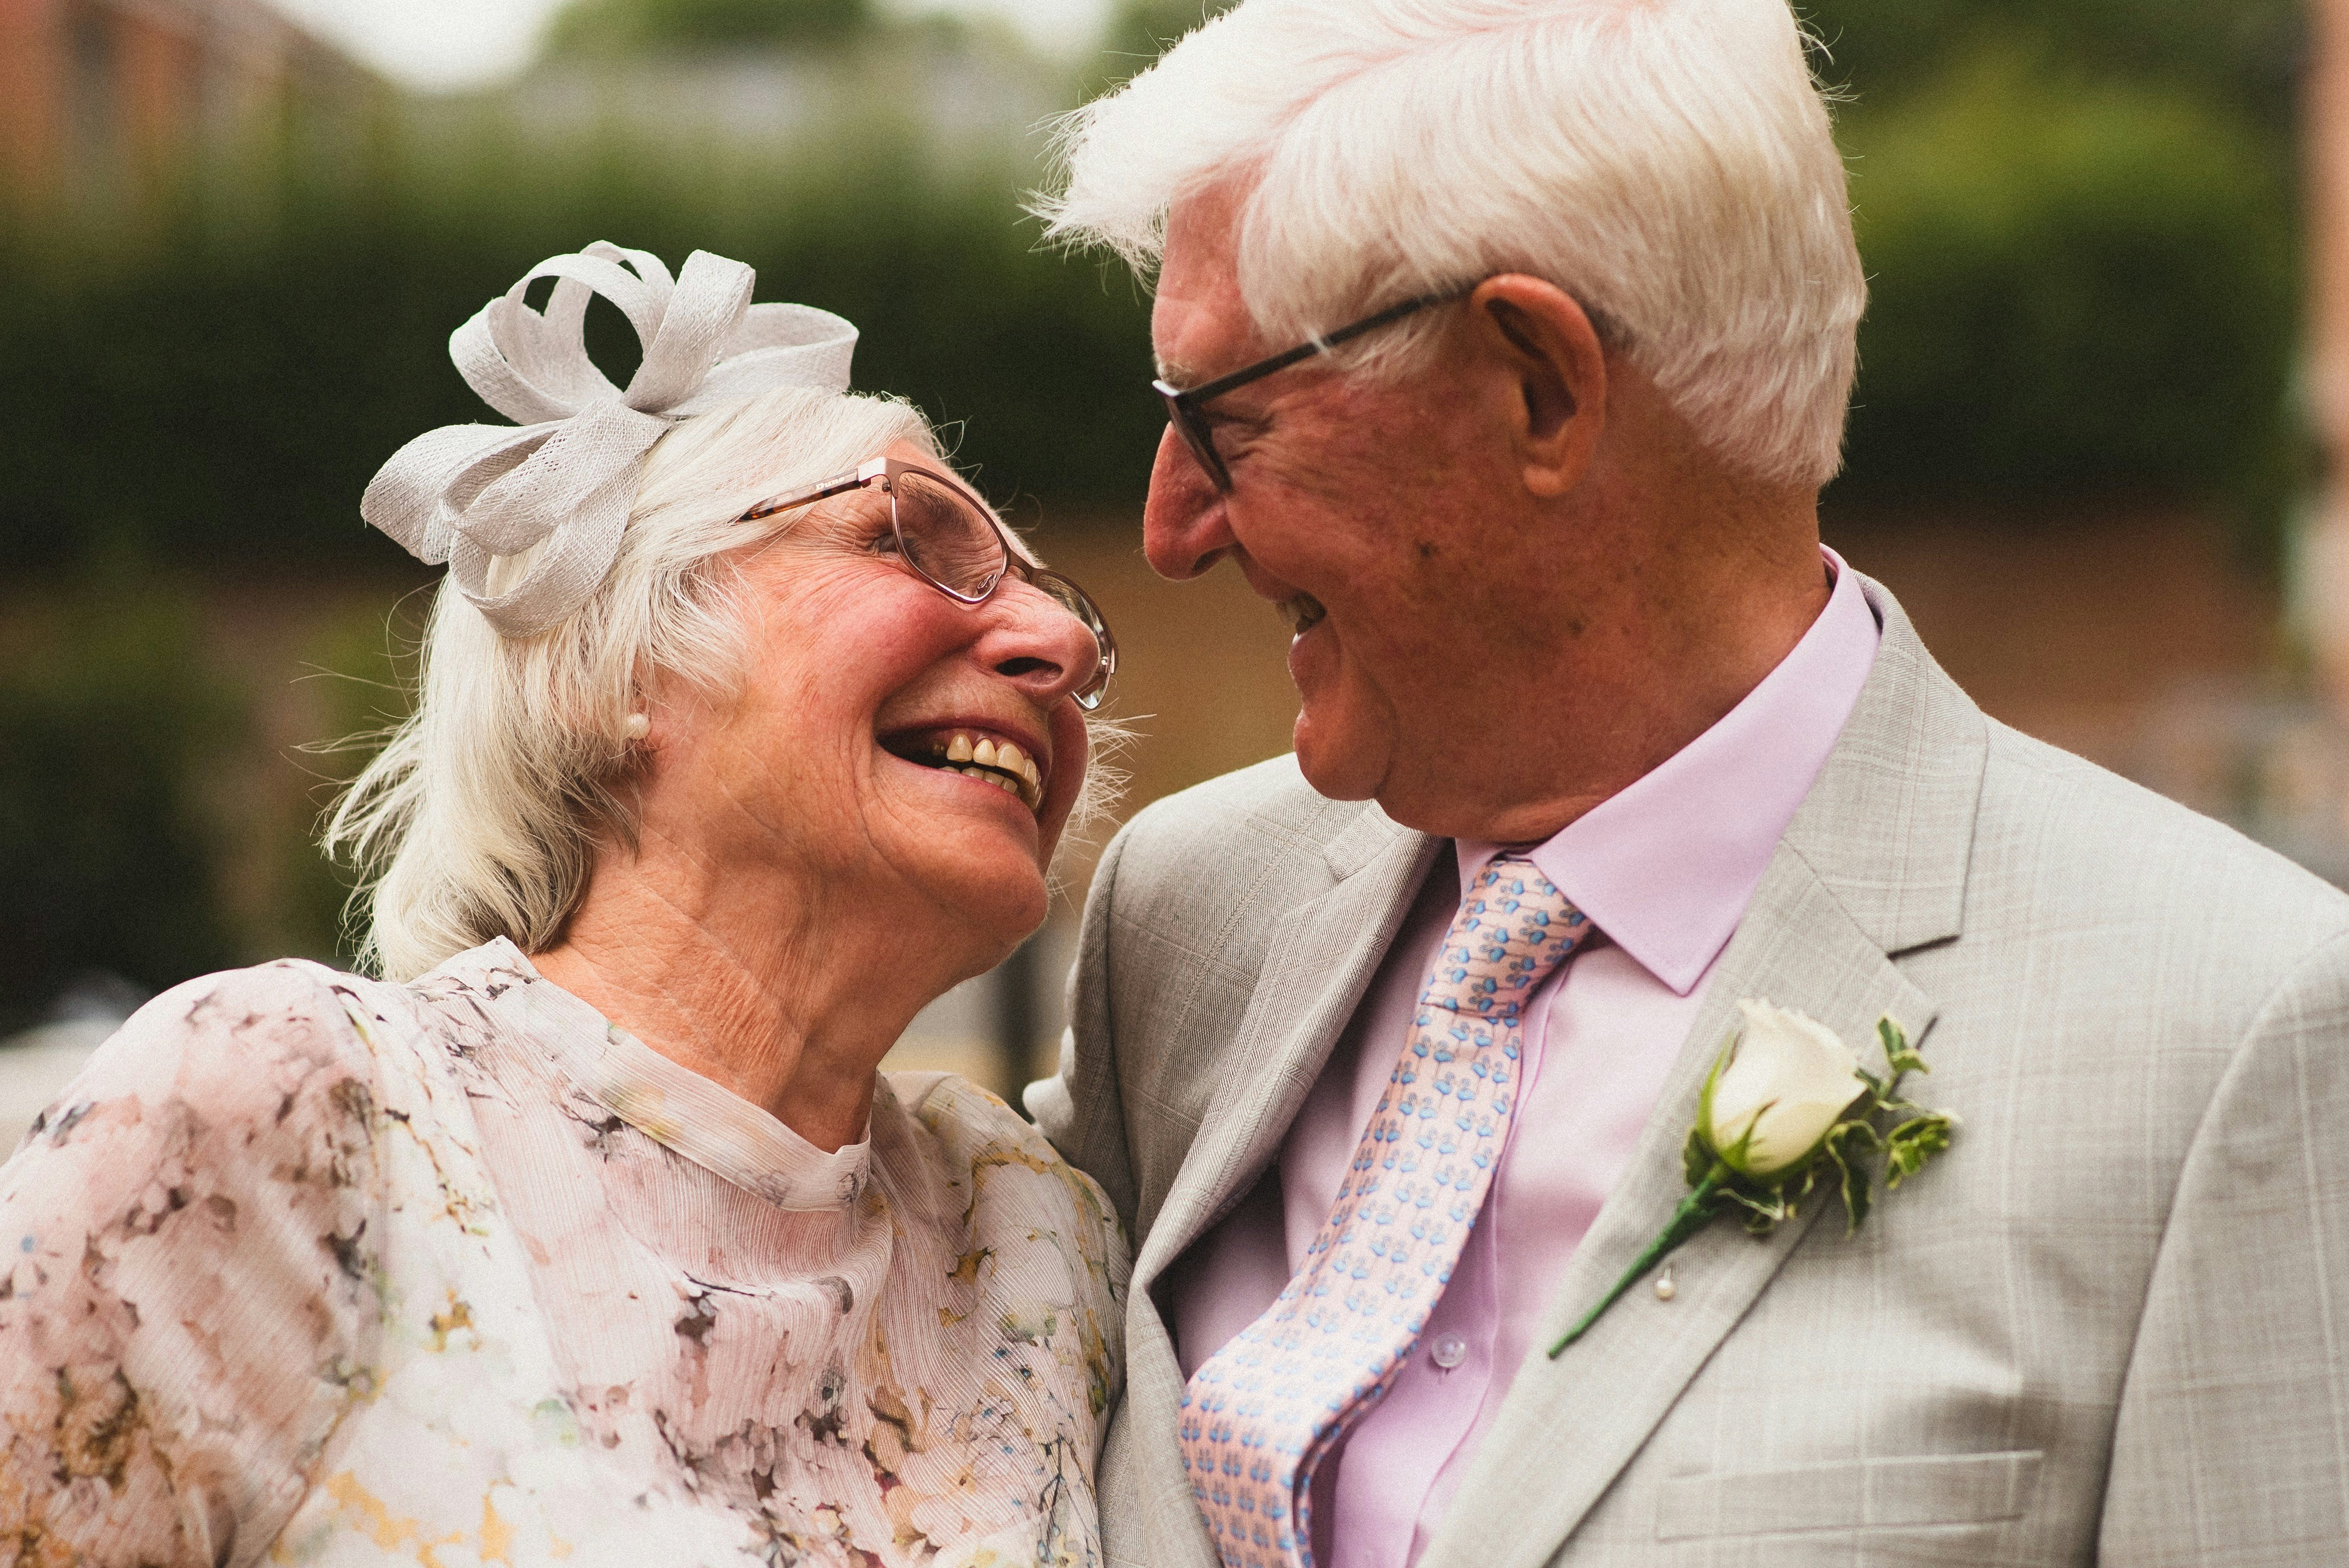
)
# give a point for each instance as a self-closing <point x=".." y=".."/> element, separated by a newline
<point x="307" y="1268"/>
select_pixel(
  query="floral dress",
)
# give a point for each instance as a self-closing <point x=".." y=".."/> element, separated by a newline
<point x="307" y="1268"/>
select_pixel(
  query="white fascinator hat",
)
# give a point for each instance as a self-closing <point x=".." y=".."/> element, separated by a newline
<point x="556" y="486"/>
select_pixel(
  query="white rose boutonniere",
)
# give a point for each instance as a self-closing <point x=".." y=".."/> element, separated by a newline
<point x="1786" y="1099"/>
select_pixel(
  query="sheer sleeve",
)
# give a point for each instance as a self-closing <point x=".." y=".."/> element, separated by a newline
<point x="187" y="1293"/>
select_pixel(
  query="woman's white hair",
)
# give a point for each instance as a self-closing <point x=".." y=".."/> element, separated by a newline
<point x="482" y="815"/>
<point x="1668" y="163"/>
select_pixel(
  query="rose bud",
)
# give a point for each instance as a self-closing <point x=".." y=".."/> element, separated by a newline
<point x="1771" y="1101"/>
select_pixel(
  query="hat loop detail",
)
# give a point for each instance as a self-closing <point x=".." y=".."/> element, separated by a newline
<point x="560" y="481"/>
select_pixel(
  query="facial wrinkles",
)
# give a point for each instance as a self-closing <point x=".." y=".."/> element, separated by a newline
<point x="781" y="777"/>
<point x="1418" y="607"/>
<point x="1311" y="504"/>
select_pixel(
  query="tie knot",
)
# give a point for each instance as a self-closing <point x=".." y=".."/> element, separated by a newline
<point x="1513" y="931"/>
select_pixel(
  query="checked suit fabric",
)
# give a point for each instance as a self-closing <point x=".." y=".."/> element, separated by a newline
<point x="1264" y="1411"/>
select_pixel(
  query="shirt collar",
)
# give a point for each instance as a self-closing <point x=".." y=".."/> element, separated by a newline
<point x="1666" y="867"/>
<point x="671" y="1104"/>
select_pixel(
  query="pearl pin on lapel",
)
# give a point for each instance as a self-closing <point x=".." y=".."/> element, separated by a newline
<point x="1665" y="1288"/>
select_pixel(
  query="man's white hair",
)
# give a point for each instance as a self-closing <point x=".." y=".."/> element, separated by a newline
<point x="483" y="814"/>
<point x="1667" y="162"/>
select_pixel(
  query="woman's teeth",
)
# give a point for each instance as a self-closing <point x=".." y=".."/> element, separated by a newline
<point x="1302" y="613"/>
<point x="998" y="763"/>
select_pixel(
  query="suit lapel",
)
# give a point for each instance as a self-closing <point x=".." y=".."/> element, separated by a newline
<point x="1874" y="864"/>
<point x="1321" y="960"/>
<point x="1568" y="1427"/>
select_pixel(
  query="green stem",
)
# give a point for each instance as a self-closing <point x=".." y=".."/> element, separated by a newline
<point x="1696" y="1210"/>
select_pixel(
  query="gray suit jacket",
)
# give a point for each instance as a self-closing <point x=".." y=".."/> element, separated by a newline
<point x="2111" y="1324"/>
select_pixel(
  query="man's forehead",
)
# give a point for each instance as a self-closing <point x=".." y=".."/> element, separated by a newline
<point x="1199" y="322"/>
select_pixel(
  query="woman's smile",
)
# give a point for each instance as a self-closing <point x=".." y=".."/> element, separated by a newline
<point x="984" y="753"/>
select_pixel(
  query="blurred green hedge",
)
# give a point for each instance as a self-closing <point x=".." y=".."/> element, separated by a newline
<point x="110" y="730"/>
<point x="2246" y="53"/>
<point x="2081" y="288"/>
<point x="220" y="388"/>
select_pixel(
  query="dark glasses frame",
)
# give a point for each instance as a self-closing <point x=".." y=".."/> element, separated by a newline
<point x="1061" y="590"/>
<point x="1183" y="407"/>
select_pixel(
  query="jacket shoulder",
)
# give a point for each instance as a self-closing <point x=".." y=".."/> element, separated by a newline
<point x="1270" y="799"/>
<point x="2116" y="844"/>
<point x="1259" y="839"/>
<point x="2135" y="897"/>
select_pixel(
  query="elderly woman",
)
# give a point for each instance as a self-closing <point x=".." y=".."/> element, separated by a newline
<point x="589" y="1233"/>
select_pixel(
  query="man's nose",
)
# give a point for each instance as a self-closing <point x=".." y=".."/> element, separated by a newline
<point x="1183" y="526"/>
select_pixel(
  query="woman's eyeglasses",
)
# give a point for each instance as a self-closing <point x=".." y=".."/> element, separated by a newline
<point x="954" y="544"/>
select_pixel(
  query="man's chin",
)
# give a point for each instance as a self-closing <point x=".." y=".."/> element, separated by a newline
<point x="1337" y="770"/>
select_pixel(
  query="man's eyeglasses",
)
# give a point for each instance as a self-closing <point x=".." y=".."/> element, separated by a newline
<point x="954" y="544"/>
<point x="1183" y="409"/>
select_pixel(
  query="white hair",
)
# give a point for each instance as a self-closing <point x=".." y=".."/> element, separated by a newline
<point x="1669" y="163"/>
<point x="483" y="814"/>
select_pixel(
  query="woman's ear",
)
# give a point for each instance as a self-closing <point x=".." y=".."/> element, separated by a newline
<point x="1536" y="333"/>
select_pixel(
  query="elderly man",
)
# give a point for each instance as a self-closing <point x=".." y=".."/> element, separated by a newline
<point x="1576" y="292"/>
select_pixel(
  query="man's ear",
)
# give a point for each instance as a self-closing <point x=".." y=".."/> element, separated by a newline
<point x="1535" y="333"/>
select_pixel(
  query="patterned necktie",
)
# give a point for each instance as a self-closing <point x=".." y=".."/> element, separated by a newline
<point x="1264" y="1410"/>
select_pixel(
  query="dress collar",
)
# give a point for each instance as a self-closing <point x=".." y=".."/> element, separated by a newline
<point x="672" y="1105"/>
<point x="1667" y="867"/>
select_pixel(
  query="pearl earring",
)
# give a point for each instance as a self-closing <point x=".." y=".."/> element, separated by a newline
<point x="637" y="727"/>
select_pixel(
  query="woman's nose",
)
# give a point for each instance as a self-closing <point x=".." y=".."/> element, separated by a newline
<point x="1034" y="640"/>
<point x="1184" y="527"/>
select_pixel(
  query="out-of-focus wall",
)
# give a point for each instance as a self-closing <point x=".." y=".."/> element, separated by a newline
<point x="107" y="100"/>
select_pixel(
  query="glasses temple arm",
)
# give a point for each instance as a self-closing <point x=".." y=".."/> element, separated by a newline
<point x="825" y="491"/>
<point x="1346" y="334"/>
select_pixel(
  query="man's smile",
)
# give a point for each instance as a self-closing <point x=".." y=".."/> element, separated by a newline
<point x="1303" y="612"/>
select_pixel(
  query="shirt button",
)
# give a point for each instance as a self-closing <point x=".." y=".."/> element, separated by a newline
<point x="1449" y="1351"/>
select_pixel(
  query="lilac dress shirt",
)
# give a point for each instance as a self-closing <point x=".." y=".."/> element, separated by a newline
<point x="1665" y="868"/>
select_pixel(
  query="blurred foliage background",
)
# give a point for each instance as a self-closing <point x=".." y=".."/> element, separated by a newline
<point x="2080" y="222"/>
<point x="2081" y="218"/>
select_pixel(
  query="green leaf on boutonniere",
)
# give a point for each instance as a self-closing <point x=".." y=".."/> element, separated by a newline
<point x="1850" y="1147"/>
<point x="1765" y="1212"/>
<point x="1898" y="1051"/>
<point x="1914" y="1142"/>
<point x="1695" y="1157"/>
<point x="1775" y="1111"/>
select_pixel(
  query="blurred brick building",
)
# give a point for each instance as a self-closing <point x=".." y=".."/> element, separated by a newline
<point x="107" y="100"/>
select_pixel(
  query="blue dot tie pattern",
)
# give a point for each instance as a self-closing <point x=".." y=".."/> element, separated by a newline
<point x="1263" y="1411"/>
